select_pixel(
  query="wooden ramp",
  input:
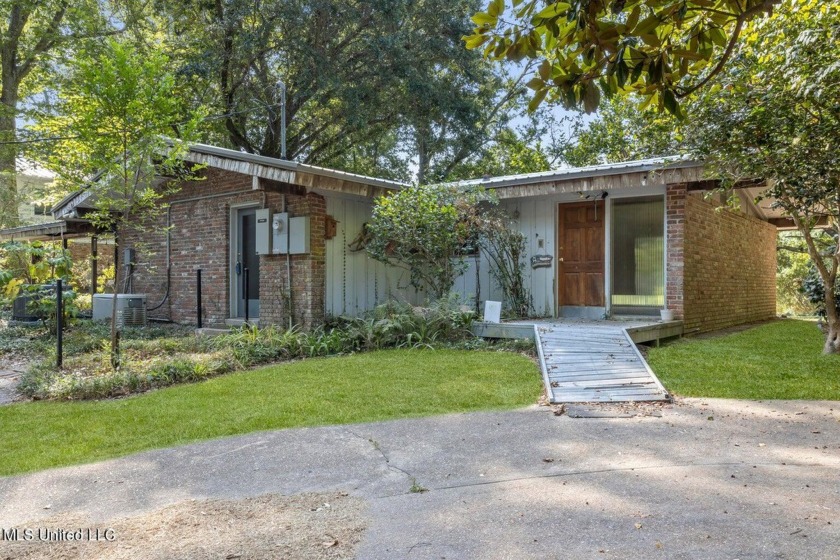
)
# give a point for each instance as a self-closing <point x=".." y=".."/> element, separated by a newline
<point x="590" y="362"/>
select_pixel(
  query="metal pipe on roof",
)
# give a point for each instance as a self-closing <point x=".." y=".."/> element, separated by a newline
<point x="282" y="87"/>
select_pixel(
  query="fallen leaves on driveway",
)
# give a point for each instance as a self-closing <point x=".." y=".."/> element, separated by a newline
<point x="261" y="528"/>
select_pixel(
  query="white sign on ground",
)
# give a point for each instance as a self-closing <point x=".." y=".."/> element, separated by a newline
<point x="493" y="311"/>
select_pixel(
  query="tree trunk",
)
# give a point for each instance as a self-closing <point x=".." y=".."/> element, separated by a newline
<point x="8" y="155"/>
<point x="832" y="339"/>
<point x="828" y="277"/>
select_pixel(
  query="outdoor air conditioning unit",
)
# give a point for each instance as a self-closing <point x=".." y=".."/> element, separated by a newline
<point x="131" y="309"/>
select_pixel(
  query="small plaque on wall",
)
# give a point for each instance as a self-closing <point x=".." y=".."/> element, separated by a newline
<point x="541" y="261"/>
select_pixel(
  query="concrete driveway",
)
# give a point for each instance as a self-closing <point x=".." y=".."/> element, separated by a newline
<point x="708" y="479"/>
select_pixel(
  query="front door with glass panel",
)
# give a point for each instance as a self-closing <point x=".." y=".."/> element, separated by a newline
<point x="246" y="277"/>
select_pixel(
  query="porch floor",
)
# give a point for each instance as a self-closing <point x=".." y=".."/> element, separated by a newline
<point x="595" y="361"/>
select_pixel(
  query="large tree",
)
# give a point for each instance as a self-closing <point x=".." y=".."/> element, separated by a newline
<point x="662" y="49"/>
<point x="621" y="132"/>
<point x="33" y="35"/>
<point x="775" y="115"/>
<point x="507" y="153"/>
<point x="369" y="83"/>
<point x="121" y="123"/>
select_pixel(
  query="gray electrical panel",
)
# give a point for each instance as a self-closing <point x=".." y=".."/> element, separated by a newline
<point x="263" y="240"/>
<point x="299" y="235"/>
<point x="280" y="233"/>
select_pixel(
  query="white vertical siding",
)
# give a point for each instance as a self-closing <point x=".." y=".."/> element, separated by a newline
<point x="470" y="286"/>
<point x="535" y="219"/>
<point x="356" y="283"/>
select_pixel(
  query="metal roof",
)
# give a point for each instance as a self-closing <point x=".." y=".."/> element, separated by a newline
<point x="295" y="166"/>
<point x="637" y="166"/>
<point x="49" y="229"/>
<point x="66" y="205"/>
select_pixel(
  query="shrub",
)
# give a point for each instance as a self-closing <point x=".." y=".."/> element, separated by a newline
<point x="158" y="356"/>
<point x="252" y="346"/>
<point x="814" y="290"/>
<point x="397" y="325"/>
<point x="427" y="230"/>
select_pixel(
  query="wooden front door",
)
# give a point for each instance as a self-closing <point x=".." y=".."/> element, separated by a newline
<point x="580" y="254"/>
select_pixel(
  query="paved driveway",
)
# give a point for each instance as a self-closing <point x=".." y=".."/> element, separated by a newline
<point x="708" y="479"/>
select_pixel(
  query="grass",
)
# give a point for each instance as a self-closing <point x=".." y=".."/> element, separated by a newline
<point x="341" y="390"/>
<point x="779" y="360"/>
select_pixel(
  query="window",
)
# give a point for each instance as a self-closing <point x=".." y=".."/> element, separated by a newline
<point x="41" y="209"/>
<point x="638" y="255"/>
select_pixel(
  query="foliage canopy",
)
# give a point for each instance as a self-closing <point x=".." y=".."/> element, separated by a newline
<point x="122" y="125"/>
<point x="662" y="49"/>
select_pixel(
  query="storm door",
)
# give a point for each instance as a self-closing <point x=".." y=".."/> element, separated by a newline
<point x="638" y="255"/>
<point x="246" y="273"/>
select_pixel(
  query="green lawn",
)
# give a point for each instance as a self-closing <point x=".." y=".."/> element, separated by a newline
<point x="360" y="388"/>
<point x="779" y="360"/>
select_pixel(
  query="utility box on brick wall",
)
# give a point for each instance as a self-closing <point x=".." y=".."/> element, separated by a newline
<point x="279" y="233"/>
<point x="299" y="235"/>
<point x="263" y="240"/>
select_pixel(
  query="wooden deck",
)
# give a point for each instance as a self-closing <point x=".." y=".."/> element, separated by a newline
<point x="594" y="362"/>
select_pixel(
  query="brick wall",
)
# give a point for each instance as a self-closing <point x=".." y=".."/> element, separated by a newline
<point x="675" y="196"/>
<point x="308" y="281"/>
<point x="728" y="271"/>
<point x="199" y="234"/>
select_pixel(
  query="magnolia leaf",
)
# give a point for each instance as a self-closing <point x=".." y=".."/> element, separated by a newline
<point x="637" y="72"/>
<point x="670" y="102"/>
<point x="496" y="7"/>
<point x="591" y="98"/>
<point x="621" y="72"/>
<point x="537" y="99"/>
<point x="545" y="70"/>
<point x="483" y="18"/>
<point x="633" y="18"/>
<point x="553" y="10"/>
<point x="718" y="36"/>
<point x="535" y="83"/>
<point x="647" y="25"/>
<point x="651" y="40"/>
<point x="475" y="41"/>
<point x="687" y="54"/>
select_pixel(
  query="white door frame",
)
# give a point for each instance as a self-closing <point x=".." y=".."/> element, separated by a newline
<point x="233" y="243"/>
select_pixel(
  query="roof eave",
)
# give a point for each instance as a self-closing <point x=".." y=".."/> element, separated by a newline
<point x="581" y="173"/>
<point x="287" y="165"/>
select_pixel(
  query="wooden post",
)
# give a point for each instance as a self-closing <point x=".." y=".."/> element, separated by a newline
<point x="198" y="297"/>
<point x="59" y="324"/>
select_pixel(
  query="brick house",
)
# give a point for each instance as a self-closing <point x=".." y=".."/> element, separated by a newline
<point x="636" y="237"/>
<point x="608" y="240"/>
<point x="221" y="225"/>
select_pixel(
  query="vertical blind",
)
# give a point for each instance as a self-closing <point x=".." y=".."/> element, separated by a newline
<point x="638" y="252"/>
